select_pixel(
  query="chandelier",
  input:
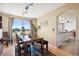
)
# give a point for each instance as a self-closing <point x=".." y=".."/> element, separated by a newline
<point x="27" y="7"/>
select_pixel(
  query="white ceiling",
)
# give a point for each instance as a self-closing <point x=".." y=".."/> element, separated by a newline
<point x="35" y="11"/>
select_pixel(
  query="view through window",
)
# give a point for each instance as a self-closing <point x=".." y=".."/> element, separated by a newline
<point x="21" y="26"/>
<point x="21" y="23"/>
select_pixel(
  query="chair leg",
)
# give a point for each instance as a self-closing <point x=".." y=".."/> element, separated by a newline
<point x="41" y="49"/>
<point x="47" y="47"/>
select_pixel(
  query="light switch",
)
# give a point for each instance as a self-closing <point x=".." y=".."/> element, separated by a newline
<point x="53" y="29"/>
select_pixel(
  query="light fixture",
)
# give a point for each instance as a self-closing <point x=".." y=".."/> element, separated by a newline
<point x="27" y="7"/>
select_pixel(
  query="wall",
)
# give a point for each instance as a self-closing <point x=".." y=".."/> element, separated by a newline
<point x="47" y="32"/>
<point x="77" y="33"/>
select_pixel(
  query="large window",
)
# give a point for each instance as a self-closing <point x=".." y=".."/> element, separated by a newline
<point x="18" y="24"/>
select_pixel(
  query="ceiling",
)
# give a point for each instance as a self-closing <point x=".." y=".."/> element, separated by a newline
<point x="35" y="11"/>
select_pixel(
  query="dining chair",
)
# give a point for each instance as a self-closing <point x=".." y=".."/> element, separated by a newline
<point x="1" y="47"/>
<point x="5" y="38"/>
<point x="19" y="47"/>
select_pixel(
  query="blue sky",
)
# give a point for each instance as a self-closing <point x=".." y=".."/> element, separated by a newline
<point x="19" y="23"/>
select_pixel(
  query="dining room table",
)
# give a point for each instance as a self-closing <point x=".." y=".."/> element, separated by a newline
<point x="28" y="42"/>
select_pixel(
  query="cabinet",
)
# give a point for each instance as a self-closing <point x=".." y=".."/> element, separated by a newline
<point x="67" y="36"/>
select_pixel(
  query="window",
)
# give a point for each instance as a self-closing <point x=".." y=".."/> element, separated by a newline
<point x="18" y="24"/>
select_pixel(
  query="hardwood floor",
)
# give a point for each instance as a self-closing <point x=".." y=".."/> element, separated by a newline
<point x="10" y="51"/>
<point x="58" y="51"/>
<point x="69" y="46"/>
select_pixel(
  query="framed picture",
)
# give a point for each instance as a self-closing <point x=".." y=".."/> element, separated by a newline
<point x="0" y="22"/>
<point x="44" y="23"/>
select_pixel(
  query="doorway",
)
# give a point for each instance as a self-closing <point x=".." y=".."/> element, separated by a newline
<point x="66" y="32"/>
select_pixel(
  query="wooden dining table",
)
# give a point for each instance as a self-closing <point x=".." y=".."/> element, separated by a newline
<point x="27" y="44"/>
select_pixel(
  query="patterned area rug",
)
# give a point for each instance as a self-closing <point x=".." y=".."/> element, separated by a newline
<point x="10" y="51"/>
<point x="34" y="52"/>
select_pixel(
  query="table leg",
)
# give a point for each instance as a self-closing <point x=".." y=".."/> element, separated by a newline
<point x="42" y="47"/>
<point x="29" y="49"/>
<point x="47" y="47"/>
<point x="25" y="50"/>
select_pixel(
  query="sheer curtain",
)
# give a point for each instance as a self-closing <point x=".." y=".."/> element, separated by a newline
<point x="11" y="20"/>
<point x="31" y="32"/>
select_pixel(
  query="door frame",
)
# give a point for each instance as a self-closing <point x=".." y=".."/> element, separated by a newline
<point x="58" y="44"/>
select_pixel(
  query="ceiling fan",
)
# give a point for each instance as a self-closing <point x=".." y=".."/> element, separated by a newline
<point x="27" y="7"/>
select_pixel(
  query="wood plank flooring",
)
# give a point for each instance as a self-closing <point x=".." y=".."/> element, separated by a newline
<point x="10" y="51"/>
<point x="58" y="52"/>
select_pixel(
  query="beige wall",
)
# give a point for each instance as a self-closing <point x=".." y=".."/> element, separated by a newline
<point x="47" y="32"/>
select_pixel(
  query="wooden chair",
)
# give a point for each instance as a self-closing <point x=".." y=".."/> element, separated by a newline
<point x="1" y="47"/>
<point x="1" y="40"/>
<point x="5" y="39"/>
<point x="19" y="47"/>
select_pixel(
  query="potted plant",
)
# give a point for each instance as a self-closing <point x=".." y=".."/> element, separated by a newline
<point x="35" y="29"/>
